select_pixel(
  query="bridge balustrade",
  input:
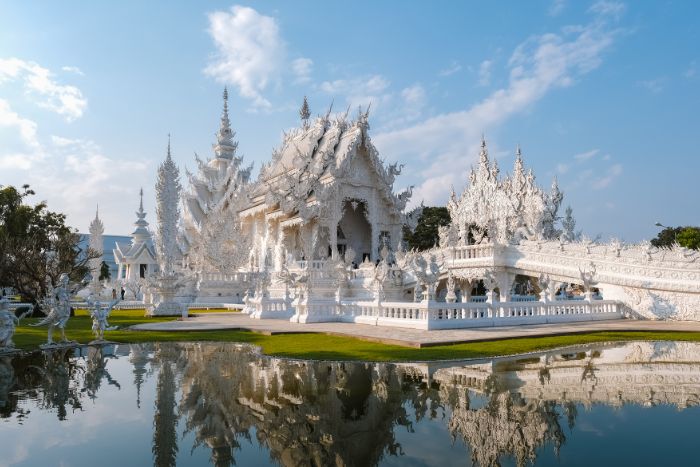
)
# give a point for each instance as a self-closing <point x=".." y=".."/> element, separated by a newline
<point x="438" y="315"/>
<point x="472" y="251"/>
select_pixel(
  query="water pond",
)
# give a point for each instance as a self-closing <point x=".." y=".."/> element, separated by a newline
<point x="194" y="404"/>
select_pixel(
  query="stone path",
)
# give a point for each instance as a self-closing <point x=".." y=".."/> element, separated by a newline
<point x="408" y="337"/>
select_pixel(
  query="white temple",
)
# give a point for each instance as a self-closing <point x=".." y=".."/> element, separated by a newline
<point x="136" y="260"/>
<point x="318" y="237"/>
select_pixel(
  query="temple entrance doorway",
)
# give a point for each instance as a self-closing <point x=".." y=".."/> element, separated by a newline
<point x="356" y="229"/>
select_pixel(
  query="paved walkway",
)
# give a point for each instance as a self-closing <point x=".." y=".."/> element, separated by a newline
<point x="408" y="337"/>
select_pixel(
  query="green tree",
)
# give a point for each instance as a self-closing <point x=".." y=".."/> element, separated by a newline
<point x="667" y="237"/>
<point x="425" y="235"/>
<point x="36" y="246"/>
<point x="104" y="272"/>
<point x="689" y="237"/>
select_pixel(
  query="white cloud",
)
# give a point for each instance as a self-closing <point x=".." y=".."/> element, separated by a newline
<point x="301" y="67"/>
<point x="66" y="171"/>
<point x="608" y="8"/>
<point x="66" y="100"/>
<point x="360" y="91"/>
<point x="73" y="69"/>
<point x="556" y="7"/>
<point x="414" y="95"/>
<point x="612" y="173"/>
<point x="586" y="155"/>
<point x="447" y="143"/>
<point x="692" y="70"/>
<point x="654" y="86"/>
<point x="562" y="168"/>
<point x="485" y="72"/>
<point x="20" y="147"/>
<point x="452" y="69"/>
<point x="249" y="51"/>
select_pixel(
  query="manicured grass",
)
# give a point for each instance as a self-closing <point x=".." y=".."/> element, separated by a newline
<point x="329" y="347"/>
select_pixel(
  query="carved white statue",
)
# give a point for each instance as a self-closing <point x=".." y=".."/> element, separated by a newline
<point x="8" y="323"/>
<point x="99" y="314"/>
<point x="58" y="304"/>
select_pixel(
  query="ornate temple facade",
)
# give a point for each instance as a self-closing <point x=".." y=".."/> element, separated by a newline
<point x="318" y="237"/>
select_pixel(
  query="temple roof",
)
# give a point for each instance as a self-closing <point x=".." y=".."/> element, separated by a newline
<point x="314" y="154"/>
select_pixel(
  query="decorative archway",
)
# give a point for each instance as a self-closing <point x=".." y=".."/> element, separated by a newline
<point x="356" y="228"/>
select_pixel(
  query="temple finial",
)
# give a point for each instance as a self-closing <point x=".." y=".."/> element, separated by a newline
<point x="305" y="113"/>
<point x="141" y="202"/>
<point x="168" y="154"/>
<point x="225" y="147"/>
<point x="517" y="151"/>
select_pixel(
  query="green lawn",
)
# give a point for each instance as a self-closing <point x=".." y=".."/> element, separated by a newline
<point x="328" y="347"/>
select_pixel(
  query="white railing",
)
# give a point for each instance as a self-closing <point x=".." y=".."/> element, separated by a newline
<point x="14" y="305"/>
<point x="524" y="298"/>
<point x="437" y="315"/>
<point x="215" y="306"/>
<point x="472" y="251"/>
<point x="218" y="277"/>
<point x="130" y="305"/>
<point x="275" y="308"/>
<point x="313" y="265"/>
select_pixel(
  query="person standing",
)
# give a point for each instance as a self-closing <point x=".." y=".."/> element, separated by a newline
<point x="123" y="292"/>
<point x="114" y="294"/>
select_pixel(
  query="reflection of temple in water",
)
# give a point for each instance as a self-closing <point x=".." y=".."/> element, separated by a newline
<point x="330" y="413"/>
<point x="305" y="412"/>
<point x="325" y="413"/>
<point x="528" y="396"/>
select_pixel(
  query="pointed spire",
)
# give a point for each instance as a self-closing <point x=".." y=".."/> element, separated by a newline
<point x="141" y="232"/>
<point x="518" y="167"/>
<point x="168" y="154"/>
<point x="96" y="226"/>
<point x="225" y="147"/>
<point x="483" y="156"/>
<point x="305" y="113"/>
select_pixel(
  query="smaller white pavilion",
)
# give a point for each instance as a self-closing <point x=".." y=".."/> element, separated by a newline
<point x="136" y="260"/>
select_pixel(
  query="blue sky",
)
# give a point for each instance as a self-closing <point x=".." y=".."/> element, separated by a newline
<point x="602" y="94"/>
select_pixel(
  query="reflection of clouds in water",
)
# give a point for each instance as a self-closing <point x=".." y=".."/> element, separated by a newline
<point x="64" y="378"/>
<point x="588" y="428"/>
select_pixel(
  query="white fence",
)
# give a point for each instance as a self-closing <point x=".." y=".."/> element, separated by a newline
<point x="471" y="251"/>
<point x="435" y="315"/>
<point x="269" y="308"/>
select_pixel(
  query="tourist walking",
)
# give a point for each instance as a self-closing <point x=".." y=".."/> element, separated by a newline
<point x="123" y="292"/>
<point x="114" y="294"/>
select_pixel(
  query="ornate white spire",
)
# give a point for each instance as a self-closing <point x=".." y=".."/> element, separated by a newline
<point x="96" y="244"/>
<point x="141" y="233"/>
<point x="225" y="147"/>
<point x="167" y="212"/>
<point x="96" y="226"/>
<point x="484" y="158"/>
